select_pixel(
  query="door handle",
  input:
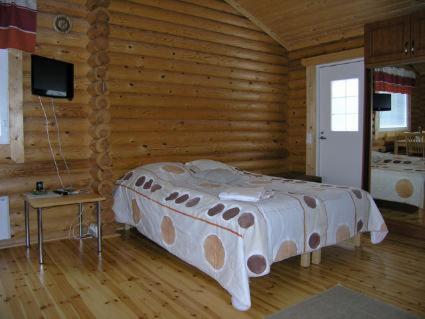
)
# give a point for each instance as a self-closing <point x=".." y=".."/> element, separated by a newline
<point x="322" y="138"/>
<point x="405" y="47"/>
<point x="412" y="49"/>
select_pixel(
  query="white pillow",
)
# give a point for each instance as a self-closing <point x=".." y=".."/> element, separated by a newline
<point x="205" y="164"/>
<point x="218" y="175"/>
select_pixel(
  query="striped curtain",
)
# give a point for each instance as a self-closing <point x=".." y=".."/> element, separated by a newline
<point x="18" y="21"/>
<point x="394" y="80"/>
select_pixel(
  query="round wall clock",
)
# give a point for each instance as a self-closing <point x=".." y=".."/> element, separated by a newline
<point x="62" y="24"/>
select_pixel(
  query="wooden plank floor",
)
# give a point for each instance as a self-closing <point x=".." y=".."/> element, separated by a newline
<point x="137" y="279"/>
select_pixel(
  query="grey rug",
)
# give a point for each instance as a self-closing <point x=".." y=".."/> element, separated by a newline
<point x="342" y="303"/>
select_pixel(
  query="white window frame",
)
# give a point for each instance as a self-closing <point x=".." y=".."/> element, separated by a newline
<point x="396" y="129"/>
<point x="4" y="97"/>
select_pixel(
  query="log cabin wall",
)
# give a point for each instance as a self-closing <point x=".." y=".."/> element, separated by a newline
<point x="187" y="80"/>
<point x="417" y="118"/>
<point x="15" y="179"/>
<point x="296" y="113"/>
<point x="191" y="80"/>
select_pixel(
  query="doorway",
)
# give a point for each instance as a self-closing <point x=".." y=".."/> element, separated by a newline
<point x="340" y="108"/>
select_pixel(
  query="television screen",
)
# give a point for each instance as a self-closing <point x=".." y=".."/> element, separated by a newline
<point x="52" y="78"/>
<point x="381" y="102"/>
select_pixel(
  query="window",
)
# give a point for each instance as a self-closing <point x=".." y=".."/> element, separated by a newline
<point x="345" y="105"/>
<point x="396" y="119"/>
<point x="4" y="97"/>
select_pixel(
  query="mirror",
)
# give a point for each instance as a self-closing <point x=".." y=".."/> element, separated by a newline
<point x="397" y="172"/>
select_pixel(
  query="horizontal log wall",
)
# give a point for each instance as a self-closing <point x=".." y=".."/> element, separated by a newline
<point x="186" y="80"/>
<point x="194" y="79"/>
<point x="15" y="179"/>
<point x="296" y="117"/>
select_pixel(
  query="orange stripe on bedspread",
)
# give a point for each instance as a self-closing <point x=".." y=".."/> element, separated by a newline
<point x="183" y="213"/>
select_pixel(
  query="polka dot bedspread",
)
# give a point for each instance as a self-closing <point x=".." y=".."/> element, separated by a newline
<point x="398" y="178"/>
<point x="178" y="207"/>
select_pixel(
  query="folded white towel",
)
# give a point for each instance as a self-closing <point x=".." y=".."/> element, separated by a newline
<point x="245" y="194"/>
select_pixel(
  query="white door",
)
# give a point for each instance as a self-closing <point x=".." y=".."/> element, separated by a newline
<point x="340" y="90"/>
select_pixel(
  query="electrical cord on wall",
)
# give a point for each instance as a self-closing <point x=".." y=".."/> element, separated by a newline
<point x="59" y="138"/>
<point x="50" y="144"/>
<point x="74" y="224"/>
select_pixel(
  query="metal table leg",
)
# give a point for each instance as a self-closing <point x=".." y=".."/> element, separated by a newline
<point x="99" y="229"/>
<point x="40" y="234"/>
<point x="80" y="213"/>
<point x="27" y="224"/>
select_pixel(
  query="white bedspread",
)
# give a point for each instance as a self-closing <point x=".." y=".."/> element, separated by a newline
<point x="398" y="178"/>
<point x="178" y="208"/>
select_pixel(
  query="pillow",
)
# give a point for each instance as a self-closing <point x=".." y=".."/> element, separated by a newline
<point x="205" y="164"/>
<point x="218" y="175"/>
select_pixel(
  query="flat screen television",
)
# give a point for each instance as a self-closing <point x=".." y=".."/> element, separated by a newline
<point x="381" y="102"/>
<point x="52" y="78"/>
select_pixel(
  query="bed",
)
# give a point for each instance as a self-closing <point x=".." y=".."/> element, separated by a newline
<point x="398" y="178"/>
<point x="259" y="219"/>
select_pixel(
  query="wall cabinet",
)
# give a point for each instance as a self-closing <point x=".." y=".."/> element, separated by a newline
<point x="396" y="41"/>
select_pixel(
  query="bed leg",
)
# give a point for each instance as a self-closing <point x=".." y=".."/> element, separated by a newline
<point x="316" y="257"/>
<point x="305" y="260"/>
<point x="358" y="240"/>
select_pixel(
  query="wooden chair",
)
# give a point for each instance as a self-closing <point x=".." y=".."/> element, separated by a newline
<point x="415" y="143"/>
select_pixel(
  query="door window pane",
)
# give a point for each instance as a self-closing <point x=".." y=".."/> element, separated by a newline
<point x="397" y="117"/>
<point x="345" y="105"/>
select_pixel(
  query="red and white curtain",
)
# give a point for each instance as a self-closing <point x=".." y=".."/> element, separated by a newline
<point x="18" y="22"/>
<point x="394" y="80"/>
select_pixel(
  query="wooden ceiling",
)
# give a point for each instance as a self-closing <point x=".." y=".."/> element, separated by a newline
<point x="302" y="23"/>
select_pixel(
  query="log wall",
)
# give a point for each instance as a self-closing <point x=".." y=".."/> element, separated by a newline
<point x="15" y="179"/>
<point x="296" y="108"/>
<point x="184" y="80"/>
<point x="191" y="80"/>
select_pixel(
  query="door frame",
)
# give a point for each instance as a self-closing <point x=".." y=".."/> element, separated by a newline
<point x="311" y="100"/>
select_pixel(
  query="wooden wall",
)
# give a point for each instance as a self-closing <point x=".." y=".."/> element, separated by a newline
<point x="296" y="108"/>
<point x="195" y="79"/>
<point x="187" y="79"/>
<point x="15" y="179"/>
<point x="418" y="104"/>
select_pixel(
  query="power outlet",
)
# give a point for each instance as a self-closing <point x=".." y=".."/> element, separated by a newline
<point x="93" y="230"/>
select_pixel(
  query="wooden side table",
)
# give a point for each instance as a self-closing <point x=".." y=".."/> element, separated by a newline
<point x="40" y="203"/>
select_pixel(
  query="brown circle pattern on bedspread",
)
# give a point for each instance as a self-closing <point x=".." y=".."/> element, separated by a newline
<point x="358" y="193"/>
<point x="287" y="249"/>
<point x="314" y="240"/>
<point x="214" y="251"/>
<point x="404" y="188"/>
<point x="155" y="187"/>
<point x="172" y="196"/>
<point x="173" y="169"/>
<point x="136" y="213"/>
<point x="257" y="264"/>
<point x="342" y="233"/>
<point x="310" y="201"/>
<point x="140" y="181"/>
<point x="246" y="220"/>
<point x="148" y="184"/>
<point x="128" y="176"/>
<point x="230" y="213"/>
<point x="168" y="231"/>
<point x="182" y="199"/>
<point x="217" y="209"/>
<point x="193" y="202"/>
